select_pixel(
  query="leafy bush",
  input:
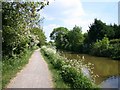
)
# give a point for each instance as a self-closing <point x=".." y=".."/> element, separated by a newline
<point x="58" y="64"/>
<point x="20" y="28"/>
<point x="100" y="47"/>
<point x="76" y="79"/>
<point x="106" y="48"/>
<point x="70" y="72"/>
<point x="10" y="66"/>
<point x="115" y="51"/>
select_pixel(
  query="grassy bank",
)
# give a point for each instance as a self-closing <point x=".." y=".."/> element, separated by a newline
<point x="10" y="66"/>
<point x="57" y="80"/>
<point x="69" y="71"/>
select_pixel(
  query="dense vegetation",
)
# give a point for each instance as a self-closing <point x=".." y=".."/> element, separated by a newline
<point x="100" y="39"/>
<point x="21" y="27"/>
<point x="70" y="71"/>
<point x="56" y="77"/>
<point x="12" y="65"/>
<point x="21" y="33"/>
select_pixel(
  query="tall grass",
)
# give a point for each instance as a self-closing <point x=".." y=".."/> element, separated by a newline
<point x="56" y="78"/>
<point x="10" y="66"/>
<point x="70" y="70"/>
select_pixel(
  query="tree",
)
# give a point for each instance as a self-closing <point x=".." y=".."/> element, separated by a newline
<point x="86" y="43"/>
<point x="117" y="31"/>
<point x="58" y="35"/>
<point x="68" y="40"/>
<point x="100" y="48"/>
<point x="40" y="36"/>
<point x="98" y="30"/>
<point x="75" y="39"/>
<point x="17" y="20"/>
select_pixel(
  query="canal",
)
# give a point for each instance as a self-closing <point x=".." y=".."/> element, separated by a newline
<point x="105" y="68"/>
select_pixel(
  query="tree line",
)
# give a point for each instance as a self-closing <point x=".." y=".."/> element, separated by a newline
<point x="21" y="35"/>
<point x="21" y="26"/>
<point x="100" y="40"/>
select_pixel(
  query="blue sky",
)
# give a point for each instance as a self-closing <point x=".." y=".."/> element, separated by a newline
<point x="68" y="13"/>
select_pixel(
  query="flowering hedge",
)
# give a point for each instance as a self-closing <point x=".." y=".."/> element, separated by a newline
<point x="70" y="72"/>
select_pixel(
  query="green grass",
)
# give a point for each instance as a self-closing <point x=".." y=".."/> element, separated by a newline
<point x="0" y="74"/>
<point x="68" y="71"/>
<point x="10" y="66"/>
<point x="56" y="77"/>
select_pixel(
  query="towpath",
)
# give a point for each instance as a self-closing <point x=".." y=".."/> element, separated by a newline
<point x="34" y="75"/>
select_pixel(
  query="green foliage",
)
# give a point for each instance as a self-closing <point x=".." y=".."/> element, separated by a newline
<point x="70" y="74"/>
<point x="19" y="18"/>
<point x="13" y="42"/>
<point x="104" y="48"/>
<point x="98" y="30"/>
<point x="56" y="77"/>
<point x="10" y="66"/>
<point x="114" y="41"/>
<point x="69" y="40"/>
<point x="100" y="47"/>
<point x="51" y="43"/>
<point x="75" y="39"/>
<point x="20" y="32"/>
<point x="97" y="42"/>
<point x="115" y="51"/>
<point x="117" y="31"/>
<point x="100" y="39"/>
<point x="58" y="35"/>
<point x="86" y="45"/>
<point x="40" y="36"/>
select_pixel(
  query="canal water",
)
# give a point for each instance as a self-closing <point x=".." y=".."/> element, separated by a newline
<point x="106" y="68"/>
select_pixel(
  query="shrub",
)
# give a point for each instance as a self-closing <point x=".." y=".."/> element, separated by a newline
<point x="115" y="51"/>
<point x="106" y="48"/>
<point x="58" y="64"/>
<point x="100" y="47"/>
<point x="70" y="70"/>
<point x="68" y="74"/>
<point x="74" y="78"/>
<point x="10" y="66"/>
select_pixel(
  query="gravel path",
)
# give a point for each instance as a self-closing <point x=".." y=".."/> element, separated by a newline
<point x="34" y="75"/>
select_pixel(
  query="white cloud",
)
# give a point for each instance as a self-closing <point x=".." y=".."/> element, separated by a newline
<point x="64" y="12"/>
<point x="81" y="21"/>
<point x="51" y="26"/>
<point x="72" y="8"/>
<point x="68" y="3"/>
<point x="48" y="29"/>
<point x="68" y="13"/>
<point x="64" y="8"/>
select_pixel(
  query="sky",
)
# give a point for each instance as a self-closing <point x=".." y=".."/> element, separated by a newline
<point x="68" y="13"/>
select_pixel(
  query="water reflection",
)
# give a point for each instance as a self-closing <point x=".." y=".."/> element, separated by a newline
<point x="104" y="67"/>
<point x="112" y="82"/>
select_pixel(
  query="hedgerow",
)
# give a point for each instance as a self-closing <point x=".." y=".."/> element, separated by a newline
<point x="70" y="73"/>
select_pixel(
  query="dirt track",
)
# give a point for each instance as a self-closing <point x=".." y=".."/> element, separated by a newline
<point x="34" y="75"/>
